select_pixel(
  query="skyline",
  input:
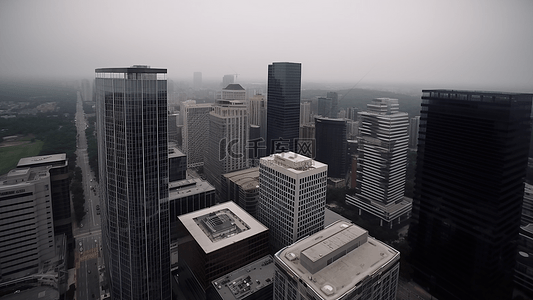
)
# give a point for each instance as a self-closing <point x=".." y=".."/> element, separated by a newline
<point x="473" y="45"/>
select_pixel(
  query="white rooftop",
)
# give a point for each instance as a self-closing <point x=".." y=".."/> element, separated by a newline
<point x="247" y="225"/>
<point x="364" y="256"/>
<point x="293" y="162"/>
<point x="29" y="161"/>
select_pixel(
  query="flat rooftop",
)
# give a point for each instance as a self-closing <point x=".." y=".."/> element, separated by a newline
<point x="292" y="162"/>
<point x="39" y="160"/>
<point x="174" y="152"/>
<point x="188" y="187"/>
<point x="246" y="280"/>
<point x="365" y="256"/>
<point x="247" y="178"/>
<point x="221" y="225"/>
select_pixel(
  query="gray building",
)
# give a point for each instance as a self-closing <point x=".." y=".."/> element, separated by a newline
<point x="26" y="223"/>
<point x="414" y="123"/>
<point x="339" y="262"/>
<point x="131" y="105"/>
<point x="177" y="164"/>
<point x="195" y="131"/>
<point x="251" y="282"/>
<point x="189" y="195"/>
<point x="242" y="187"/>
<point x="524" y="260"/>
<point x="382" y="162"/>
<point x="527" y="205"/>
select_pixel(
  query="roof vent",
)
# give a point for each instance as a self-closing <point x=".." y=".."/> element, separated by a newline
<point x="290" y="256"/>
<point x="328" y="289"/>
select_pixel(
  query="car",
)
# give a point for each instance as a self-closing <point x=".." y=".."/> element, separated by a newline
<point x="88" y="271"/>
<point x="81" y="249"/>
<point x="80" y="244"/>
<point x="98" y="213"/>
<point x="81" y="225"/>
<point x="91" y="180"/>
<point x="97" y="207"/>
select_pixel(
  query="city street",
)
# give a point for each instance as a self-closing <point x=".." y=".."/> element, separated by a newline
<point x="88" y="253"/>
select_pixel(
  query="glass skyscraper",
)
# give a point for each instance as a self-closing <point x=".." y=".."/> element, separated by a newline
<point x="283" y="106"/>
<point x="472" y="158"/>
<point x="131" y="106"/>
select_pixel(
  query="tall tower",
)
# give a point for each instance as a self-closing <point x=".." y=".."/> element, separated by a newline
<point x="292" y="197"/>
<point x="331" y="145"/>
<point x="334" y="104"/>
<point x="283" y="98"/>
<point x="472" y="158"/>
<point x="195" y="120"/>
<point x="305" y="113"/>
<point x="414" y="123"/>
<point x="133" y="162"/>
<point x="228" y="135"/>
<point x="382" y="162"/>
<point x="257" y="110"/>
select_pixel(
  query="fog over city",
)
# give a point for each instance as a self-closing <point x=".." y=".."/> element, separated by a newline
<point x="436" y="44"/>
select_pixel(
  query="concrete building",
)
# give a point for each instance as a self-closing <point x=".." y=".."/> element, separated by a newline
<point x="214" y="241"/>
<point x="527" y="205"/>
<point x="523" y="276"/>
<point x="292" y="197"/>
<point x="414" y="123"/>
<point x="57" y="166"/>
<point x="339" y="262"/>
<point x="471" y="162"/>
<point x="177" y="164"/>
<point x="305" y="113"/>
<point x="242" y="187"/>
<point x="382" y="162"/>
<point x="228" y="135"/>
<point x="26" y="223"/>
<point x="331" y="145"/>
<point x="131" y="105"/>
<point x="283" y="117"/>
<point x="195" y="131"/>
<point x="251" y="282"/>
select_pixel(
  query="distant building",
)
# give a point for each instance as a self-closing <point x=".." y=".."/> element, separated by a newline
<point x="523" y="277"/>
<point x="334" y="112"/>
<point x="177" y="164"/>
<point x="292" y="197"/>
<point x="527" y="205"/>
<point x="324" y="107"/>
<point x="197" y="80"/>
<point x="26" y="222"/>
<point x="307" y="134"/>
<point x="57" y="166"/>
<point x="227" y="80"/>
<point x="305" y="113"/>
<point x="242" y="187"/>
<point x="414" y="123"/>
<point x="351" y="113"/>
<point x="228" y="133"/>
<point x="284" y="87"/>
<point x="331" y="145"/>
<point x="173" y="129"/>
<point x="471" y="162"/>
<point x="215" y="241"/>
<point x="253" y="281"/>
<point x="338" y="262"/>
<point x="195" y="131"/>
<point x="257" y="112"/>
<point x="382" y="162"/>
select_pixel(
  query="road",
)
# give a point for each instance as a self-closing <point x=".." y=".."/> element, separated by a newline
<point x="88" y="254"/>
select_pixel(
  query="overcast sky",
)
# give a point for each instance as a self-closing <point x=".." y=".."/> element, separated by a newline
<point x="467" y="43"/>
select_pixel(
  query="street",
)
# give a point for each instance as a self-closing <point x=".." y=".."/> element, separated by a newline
<point x="88" y="253"/>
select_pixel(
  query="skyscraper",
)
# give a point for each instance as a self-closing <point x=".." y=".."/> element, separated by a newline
<point x="414" y="123"/>
<point x="292" y="197"/>
<point x="257" y="110"/>
<point x="305" y="113"/>
<point x="133" y="163"/>
<point x="324" y="107"/>
<point x="334" y="104"/>
<point x="331" y="145"/>
<point x="382" y="162"/>
<point x="283" y="98"/>
<point x="228" y="135"/>
<point x="195" y="130"/>
<point x="472" y="158"/>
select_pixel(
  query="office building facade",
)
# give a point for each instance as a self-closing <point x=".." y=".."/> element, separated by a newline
<point x="472" y="158"/>
<point x="195" y="131"/>
<point x="331" y="145"/>
<point x="242" y="187"/>
<point x="414" y="123"/>
<point x="382" y="162"/>
<point x="339" y="262"/>
<point x="292" y="197"/>
<point x="305" y="113"/>
<point x="131" y="106"/>
<point x="283" y="98"/>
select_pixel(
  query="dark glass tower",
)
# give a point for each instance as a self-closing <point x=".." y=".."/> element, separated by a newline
<point x="283" y="106"/>
<point x="133" y="162"/>
<point x="472" y="159"/>
<point x="331" y="145"/>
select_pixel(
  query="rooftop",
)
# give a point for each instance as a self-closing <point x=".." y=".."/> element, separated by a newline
<point x="291" y="161"/>
<point x="174" y="152"/>
<point x="333" y="261"/>
<point x="34" y="160"/>
<point x="186" y="187"/>
<point x="221" y="225"/>
<point x="246" y="280"/>
<point x="234" y="87"/>
<point x="247" y="178"/>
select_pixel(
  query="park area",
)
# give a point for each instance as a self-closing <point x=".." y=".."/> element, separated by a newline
<point x="12" y="151"/>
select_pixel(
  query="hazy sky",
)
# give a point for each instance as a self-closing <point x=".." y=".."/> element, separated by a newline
<point x="467" y="43"/>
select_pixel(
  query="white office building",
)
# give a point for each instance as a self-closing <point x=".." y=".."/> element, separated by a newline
<point x="339" y="262"/>
<point x="292" y="197"/>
